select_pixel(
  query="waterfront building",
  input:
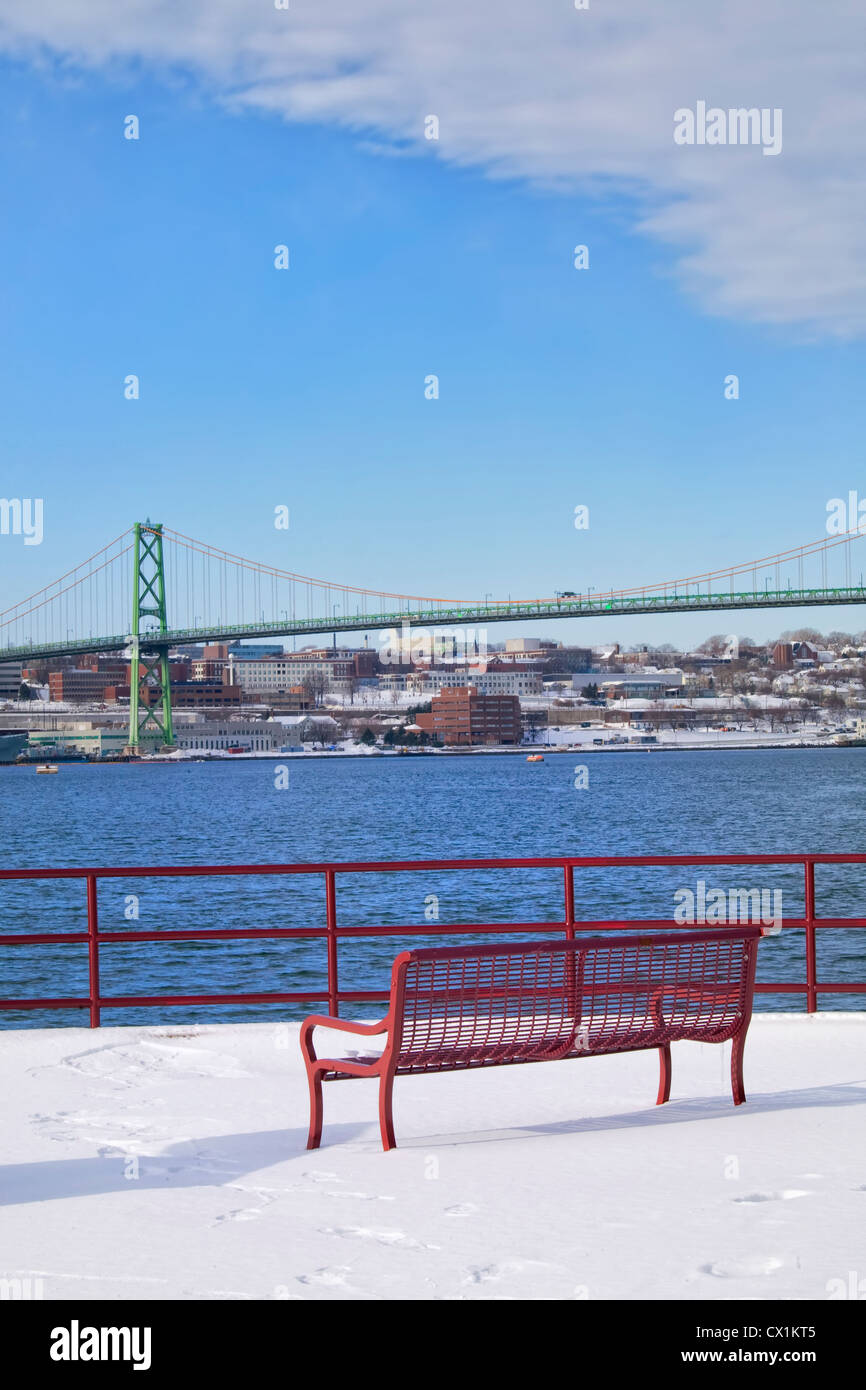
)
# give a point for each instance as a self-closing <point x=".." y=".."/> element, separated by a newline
<point x="460" y="715"/>
<point x="253" y="736"/>
<point x="10" y="679"/>
<point x="86" y="737"/>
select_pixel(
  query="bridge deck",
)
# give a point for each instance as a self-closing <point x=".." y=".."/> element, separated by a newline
<point x="593" y="606"/>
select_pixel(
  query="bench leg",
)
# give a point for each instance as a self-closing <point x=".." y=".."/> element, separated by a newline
<point x="315" y="1135"/>
<point x="386" y="1115"/>
<point x="664" y="1075"/>
<point x="737" y="1049"/>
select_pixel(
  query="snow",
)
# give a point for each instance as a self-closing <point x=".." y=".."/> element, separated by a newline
<point x="572" y="736"/>
<point x="169" y="1162"/>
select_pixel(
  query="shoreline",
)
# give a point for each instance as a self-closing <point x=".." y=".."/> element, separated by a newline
<point x="525" y="750"/>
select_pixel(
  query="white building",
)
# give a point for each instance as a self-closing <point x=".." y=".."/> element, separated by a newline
<point x="647" y="682"/>
<point x="253" y="736"/>
<point x="305" y="728"/>
<point x="486" y="682"/>
<point x="281" y="673"/>
<point x="581" y="679"/>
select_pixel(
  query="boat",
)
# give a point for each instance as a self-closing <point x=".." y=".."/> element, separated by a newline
<point x="13" y="742"/>
<point x="535" y="757"/>
<point x="47" y="767"/>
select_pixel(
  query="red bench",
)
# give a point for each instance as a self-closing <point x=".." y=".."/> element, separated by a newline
<point x="481" y="1006"/>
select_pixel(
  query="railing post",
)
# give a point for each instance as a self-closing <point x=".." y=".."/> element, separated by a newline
<point x="570" y="975"/>
<point x="331" y="922"/>
<point x="811" y="952"/>
<point x="569" y="901"/>
<point x="93" y="949"/>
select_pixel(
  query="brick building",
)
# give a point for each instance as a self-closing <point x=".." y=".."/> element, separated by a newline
<point x="78" y="686"/>
<point x="459" y="715"/>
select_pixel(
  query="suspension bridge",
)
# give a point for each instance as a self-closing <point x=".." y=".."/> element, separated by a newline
<point x="119" y="600"/>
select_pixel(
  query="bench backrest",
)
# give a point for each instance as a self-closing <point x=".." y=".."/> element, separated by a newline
<point x="480" y="1005"/>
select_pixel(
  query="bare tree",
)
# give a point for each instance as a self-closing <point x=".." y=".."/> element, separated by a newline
<point x="314" y="685"/>
<point x="320" y="731"/>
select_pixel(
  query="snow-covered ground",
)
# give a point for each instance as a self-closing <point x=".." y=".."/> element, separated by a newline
<point x="569" y="735"/>
<point x="170" y="1163"/>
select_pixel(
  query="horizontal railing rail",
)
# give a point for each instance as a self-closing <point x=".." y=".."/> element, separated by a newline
<point x="333" y="932"/>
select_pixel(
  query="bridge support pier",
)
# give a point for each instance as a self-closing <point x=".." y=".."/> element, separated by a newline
<point x="149" y="666"/>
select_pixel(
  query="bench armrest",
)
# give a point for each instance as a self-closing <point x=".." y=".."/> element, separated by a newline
<point x="340" y="1025"/>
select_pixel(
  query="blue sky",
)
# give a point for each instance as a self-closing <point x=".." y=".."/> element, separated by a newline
<point x="306" y="387"/>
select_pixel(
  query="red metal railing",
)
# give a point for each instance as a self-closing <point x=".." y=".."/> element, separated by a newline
<point x="333" y="932"/>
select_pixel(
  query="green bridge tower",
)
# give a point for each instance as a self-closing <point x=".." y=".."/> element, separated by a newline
<point x="148" y="649"/>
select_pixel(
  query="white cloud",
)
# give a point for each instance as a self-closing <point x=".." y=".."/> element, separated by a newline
<point x="537" y="90"/>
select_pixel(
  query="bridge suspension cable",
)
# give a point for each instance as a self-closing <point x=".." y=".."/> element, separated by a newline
<point x="214" y="593"/>
<point x="90" y="600"/>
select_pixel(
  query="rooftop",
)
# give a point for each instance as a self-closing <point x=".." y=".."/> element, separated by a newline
<point x="169" y="1162"/>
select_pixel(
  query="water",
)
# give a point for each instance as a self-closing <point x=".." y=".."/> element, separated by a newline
<point x="403" y="808"/>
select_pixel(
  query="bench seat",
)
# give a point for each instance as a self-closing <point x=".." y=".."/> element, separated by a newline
<point x="463" y="1008"/>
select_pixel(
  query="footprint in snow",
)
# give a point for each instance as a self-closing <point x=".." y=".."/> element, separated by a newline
<point x="361" y="1196"/>
<point x="786" y="1195"/>
<point x="397" y="1239"/>
<point x="484" y="1274"/>
<point x="333" y="1276"/>
<point x="240" y="1214"/>
<point x="751" y="1268"/>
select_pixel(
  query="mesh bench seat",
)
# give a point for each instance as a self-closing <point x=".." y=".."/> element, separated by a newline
<point x="466" y="1007"/>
